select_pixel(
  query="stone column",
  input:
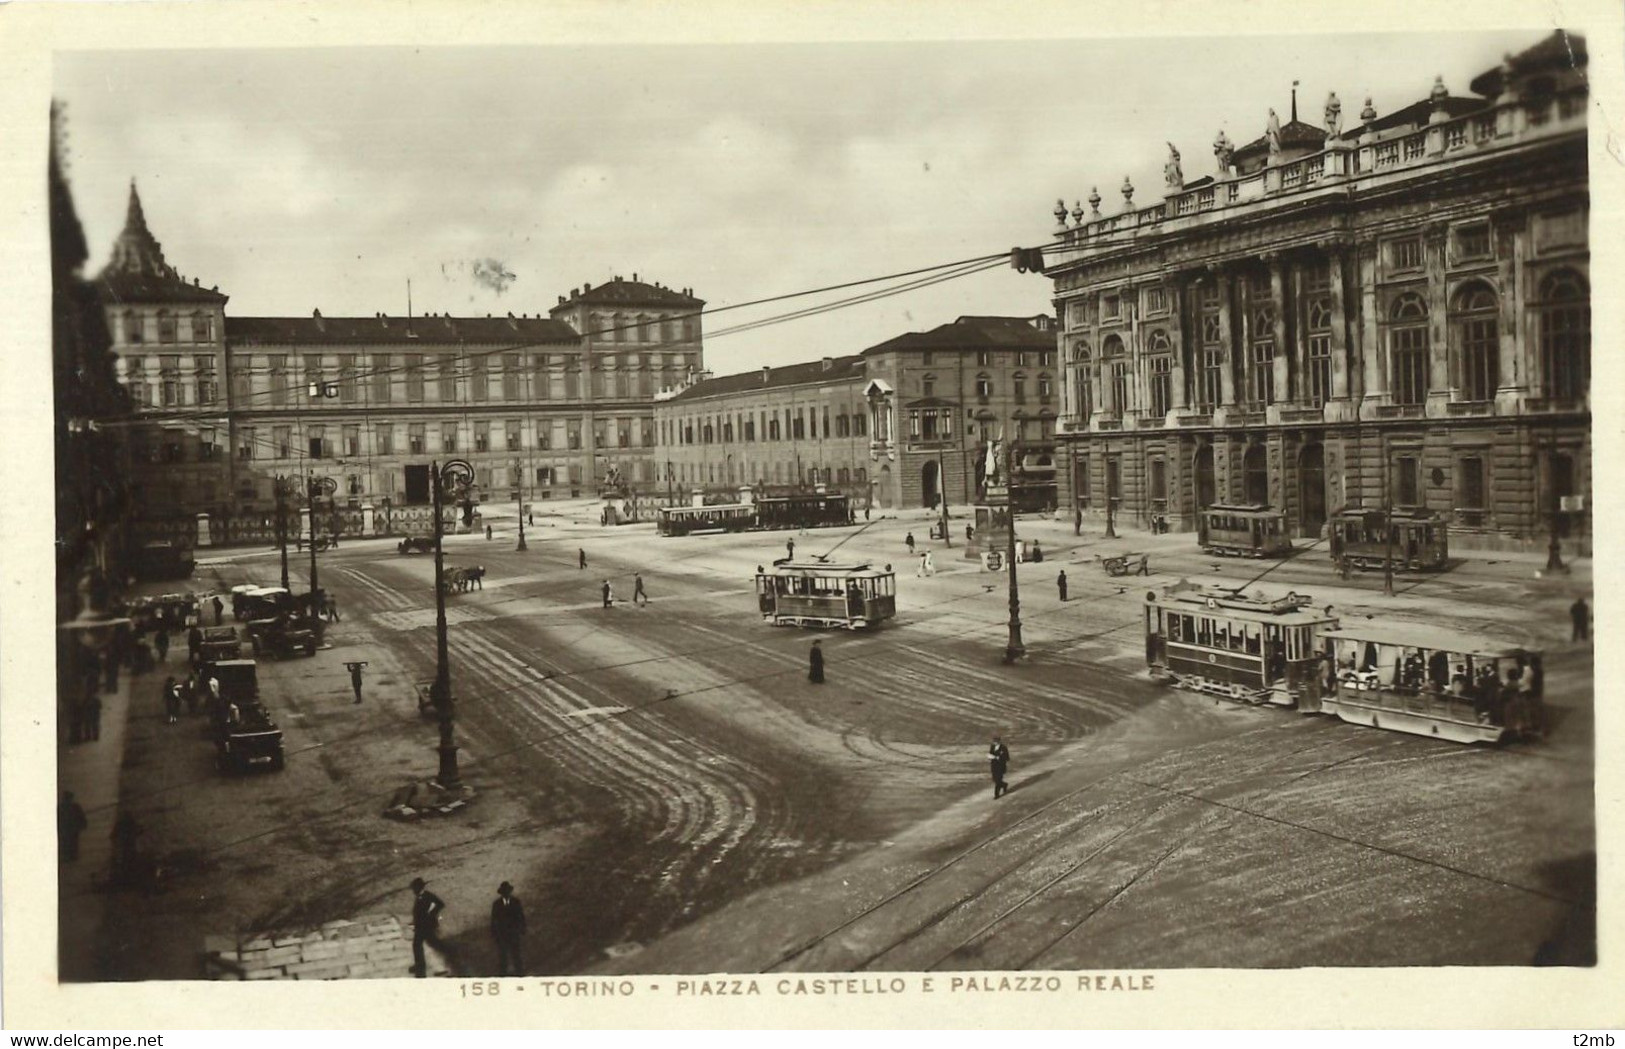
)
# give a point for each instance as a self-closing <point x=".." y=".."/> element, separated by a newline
<point x="1374" y="376"/>
<point x="1282" y="378"/>
<point x="1176" y="333"/>
<point x="1508" y="235"/>
<point x="1441" y="384"/>
<point x="1227" y="342"/>
<point x="1335" y="259"/>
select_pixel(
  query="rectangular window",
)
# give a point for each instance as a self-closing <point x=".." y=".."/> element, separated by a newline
<point x="479" y="379"/>
<point x="1111" y="307"/>
<point x="1019" y="389"/>
<point x="800" y="430"/>
<point x="414" y="378"/>
<point x="1470" y="471"/>
<point x="384" y="435"/>
<point x="1320" y="369"/>
<point x="1046" y="389"/>
<point x="574" y="427"/>
<point x="1114" y="479"/>
<point x="1407" y="481"/>
<point x="1159" y="485"/>
<point x="1261" y="381"/>
<point x="482" y="436"/>
<point x="511" y="431"/>
<point x="282" y="442"/>
<point x="984" y="358"/>
<point x="245" y="443"/>
<point x="446" y="378"/>
<point x="347" y="376"/>
<point x="544" y="434"/>
<point x="539" y="386"/>
<point x="416" y="438"/>
<point x="448" y="437"/>
<point x="352" y="441"/>
<point x="168" y="328"/>
<point x="1480" y="349"/>
<point x="169" y="378"/>
<point x="1156" y="300"/>
<point x="1405" y="254"/>
<point x="279" y="379"/>
<point x="383" y="377"/>
<point x="984" y="390"/>
<point x="510" y="376"/>
<point x="1119" y="380"/>
<point x="208" y="389"/>
<point x="1472" y="242"/>
<point x="317" y="443"/>
<point x="202" y="327"/>
<point x="1410" y="365"/>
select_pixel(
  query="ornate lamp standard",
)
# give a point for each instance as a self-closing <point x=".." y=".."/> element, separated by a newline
<point x="326" y="486"/>
<point x="282" y="487"/>
<point x="1013" y="649"/>
<point x="459" y="475"/>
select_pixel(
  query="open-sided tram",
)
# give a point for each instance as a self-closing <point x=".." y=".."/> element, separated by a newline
<point x="1435" y="682"/>
<point x="825" y="594"/>
<point x="1246" y="647"/>
<point x="1244" y="531"/>
<point x="1417" y="540"/>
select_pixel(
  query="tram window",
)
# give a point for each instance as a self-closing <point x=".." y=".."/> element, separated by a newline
<point x="1221" y="634"/>
<point x="1254" y="638"/>
<point x="1204" y="632"/>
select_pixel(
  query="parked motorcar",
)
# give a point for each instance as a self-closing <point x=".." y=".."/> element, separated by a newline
<point x="220" y="643"/>
<point x="416" y="544"/>
<point x="280" y="637"/>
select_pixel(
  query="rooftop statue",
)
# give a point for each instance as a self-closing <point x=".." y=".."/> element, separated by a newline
<point x="1171" y="171"/>
<point x="1334" y="115"/>
<point x="1272" y="131"/>
<point x="1223" y="150"/>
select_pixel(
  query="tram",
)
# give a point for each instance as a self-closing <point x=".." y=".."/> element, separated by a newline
<point x="818" y="510"/>
<point x="1417" y="540"/>
<point x="1434" y="682"/>
<point x="1246" y="647"/>
<point x="818" y="593"/>
<point x="1250" y="530"/>
<point x="686" y="520"/>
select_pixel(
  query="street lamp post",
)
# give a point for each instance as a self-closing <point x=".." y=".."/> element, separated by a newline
<point x="519" y="499"/>
<point x="1013" y="649"/>
<point x="282" y="525"/>
<point x="460" y="473"/>
<point x="310" y="509"/>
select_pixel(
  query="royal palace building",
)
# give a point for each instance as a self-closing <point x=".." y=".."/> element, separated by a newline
<point x="542" y="407"/>
<point x="1393" y="314"/>
<point x="900" y="424"/>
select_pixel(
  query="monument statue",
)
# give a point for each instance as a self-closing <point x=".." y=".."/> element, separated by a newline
<point x="1334" y="116"/>
<point x="1272" y="131"/>
<point x="1171" y="172"/>
<point x="991" y="474"/>
<point x="1223" y="150"/>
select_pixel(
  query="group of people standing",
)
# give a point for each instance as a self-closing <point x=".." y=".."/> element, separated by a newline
<point x="507" y="930"/>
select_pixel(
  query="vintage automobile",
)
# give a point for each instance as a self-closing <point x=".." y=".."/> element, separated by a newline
<point x="219" y="643"/>
<point x="281" y="637"/>
<point x="416" y="544"/>
<point x="245" y="736"/>
<point x="263" y="602"/>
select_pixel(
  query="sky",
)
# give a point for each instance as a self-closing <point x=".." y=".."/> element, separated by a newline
<point x="327" y="178"/>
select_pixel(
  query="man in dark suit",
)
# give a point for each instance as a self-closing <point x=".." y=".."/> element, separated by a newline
<point x="426" y="908"/>
<point x="815" y="663"/>
<point x="508" y="930"/>
<point x="998" y="760"/>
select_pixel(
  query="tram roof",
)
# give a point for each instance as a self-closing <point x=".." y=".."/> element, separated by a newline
<point x="827" y="568"/>
<point x="1289" y="609"/>
<point x="1427" y="636"/>
<point x="1350" y="512"/>
<point x="1240" y="508"/>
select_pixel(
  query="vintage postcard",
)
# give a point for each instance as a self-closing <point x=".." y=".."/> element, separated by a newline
<point x="871" y="515"/>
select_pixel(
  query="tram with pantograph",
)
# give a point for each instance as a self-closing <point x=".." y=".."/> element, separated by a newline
<point x="1246" y="647"/>
<point x="817" y="593"/>
<point x="1434" y="682"/>
<point x="1416" y="540"/>
<point x="1252" y="530"/>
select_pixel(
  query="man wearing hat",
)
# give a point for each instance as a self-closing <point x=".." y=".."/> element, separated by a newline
<point x="426" y="908"/>
<point x="508" y="930"/>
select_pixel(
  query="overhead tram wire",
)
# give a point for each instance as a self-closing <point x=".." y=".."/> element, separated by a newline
<point x="990" y="261"/>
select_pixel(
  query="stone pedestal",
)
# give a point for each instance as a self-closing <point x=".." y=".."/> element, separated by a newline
<point x="367" y="520"/>
<point x="992" y="527"/>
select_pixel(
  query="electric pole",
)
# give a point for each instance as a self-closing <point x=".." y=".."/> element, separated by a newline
<point x="440" y="691"/>
<point x="282" y="526"/>
<point x="1014" y="649"/>
<point x="1554" y="546"/>
<point x="520" y="503"/>
<point x="310" y="509"/>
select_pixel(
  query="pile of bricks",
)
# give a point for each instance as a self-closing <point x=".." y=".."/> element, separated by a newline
<point x="370" y="948"/>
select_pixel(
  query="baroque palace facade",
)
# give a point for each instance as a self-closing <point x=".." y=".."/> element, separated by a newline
<point x="1396" y="313"/>
<point x="898" y="425"/>
<point x="542" y="407"/>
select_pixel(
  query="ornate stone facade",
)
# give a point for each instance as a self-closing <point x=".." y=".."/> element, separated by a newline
<point x="1400" y="312"/>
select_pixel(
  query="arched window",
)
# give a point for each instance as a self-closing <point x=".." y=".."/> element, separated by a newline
<point x="1261" y="346"/>
<point x="1477" y="331"/>
<point x="167" y="327"/>
<point x="1565" y="335"/>
<point x="1114" y="359"/>
<point x="1408" y="349"/>
<point x="1160" y="366"/>
<point x="1046" y="388"/>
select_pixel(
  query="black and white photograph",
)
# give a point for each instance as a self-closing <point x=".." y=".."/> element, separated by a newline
<point x="923" y="513"/>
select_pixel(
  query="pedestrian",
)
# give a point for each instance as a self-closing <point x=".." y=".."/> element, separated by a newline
<point x="970" y="532"/>
<point x="815" y="663"/>
<point x="531" y="518"/>
<point x="790" y="548"/>
<point x="487" y="533"/>
<point x="426" y="910"/>
<point x="909" y="542"/>
<point x="332" y="609"/>
<point x="355" y="680"/>
<point x="1038" y="553"/>
<point x="919" y="571"/>
<point x="214" y="693"/>
<point x="125" y="833"/>
<point x="93" y="716"/>
<point x="930" y="563"/>
<point x="189" y="694"/>
<point x="70" y="823"/>
<point x="219" y="609"/>
<point x="581" y="558"/>
<point x="172" y="701"/>
<point x="162" y="641"/>
<point x="1581" y="616"/>
<point x="637" y="589"/>
<point x="1060" y="584"/>
<point x="998" y="761"/>
<point x="508" y="930"/>
<point x="609" y="594"/>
